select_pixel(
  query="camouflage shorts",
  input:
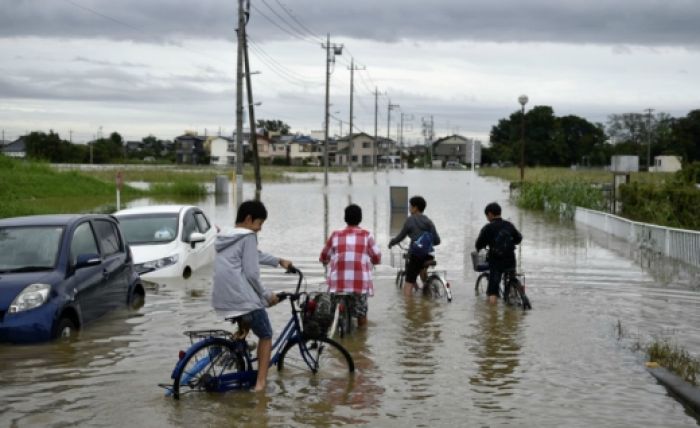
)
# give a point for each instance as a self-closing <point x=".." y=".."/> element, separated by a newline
<point x="358" y="303"/>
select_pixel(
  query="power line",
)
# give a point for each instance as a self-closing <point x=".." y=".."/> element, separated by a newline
<point x="320" y="39"/>
<point x="295" y="35"/>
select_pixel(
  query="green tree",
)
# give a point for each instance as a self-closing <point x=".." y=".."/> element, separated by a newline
<point x="273" y="126"/>
<point x="685" y="136"/>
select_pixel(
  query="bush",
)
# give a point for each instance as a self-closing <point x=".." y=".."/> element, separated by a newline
<point x="549" y="196"/>
<point x="672" y="205"/>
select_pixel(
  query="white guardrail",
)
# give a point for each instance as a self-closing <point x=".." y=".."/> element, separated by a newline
<point x="679" y="244"/>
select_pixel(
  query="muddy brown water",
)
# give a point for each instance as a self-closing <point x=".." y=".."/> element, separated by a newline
<point x="419" y="363"/>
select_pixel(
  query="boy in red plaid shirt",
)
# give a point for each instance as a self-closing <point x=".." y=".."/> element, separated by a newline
<point x="351" y="253"/>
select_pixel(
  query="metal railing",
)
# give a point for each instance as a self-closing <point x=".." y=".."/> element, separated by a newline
<point x="679" y="244"/>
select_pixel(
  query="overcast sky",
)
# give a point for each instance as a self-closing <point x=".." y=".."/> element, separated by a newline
<point x="161" y="67"/>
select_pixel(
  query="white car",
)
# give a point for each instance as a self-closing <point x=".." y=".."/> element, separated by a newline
<point x="168" y="240"/>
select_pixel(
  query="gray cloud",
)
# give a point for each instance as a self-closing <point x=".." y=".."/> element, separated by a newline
<point x="643" y="22"/>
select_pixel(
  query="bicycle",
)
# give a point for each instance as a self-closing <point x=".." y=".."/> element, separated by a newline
<point x="435" y="284"/>
<point x="511" y="288"/>
<point x="222" y="361"/>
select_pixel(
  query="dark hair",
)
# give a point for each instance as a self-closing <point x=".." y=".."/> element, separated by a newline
<point x="493" y="208"/>
<point x="254" y="209"/>
<point x="353" y="215"/>
<point x="418" y="202"/>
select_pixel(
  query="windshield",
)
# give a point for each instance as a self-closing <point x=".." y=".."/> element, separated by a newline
<point x="149" y="228"/>
<point x="31" y="248"/>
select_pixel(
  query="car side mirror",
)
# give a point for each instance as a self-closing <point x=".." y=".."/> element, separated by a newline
<point x="85" y="260"/>
<point x="196" y="237"/>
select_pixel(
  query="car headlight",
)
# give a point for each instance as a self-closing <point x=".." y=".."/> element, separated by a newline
<point x="156" y="264"/>
<point x="33" y="296"/>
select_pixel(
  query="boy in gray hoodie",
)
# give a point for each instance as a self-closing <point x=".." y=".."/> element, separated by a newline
<point x="237" y="289"/>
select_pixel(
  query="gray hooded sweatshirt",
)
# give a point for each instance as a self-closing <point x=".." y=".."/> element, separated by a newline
<point x="414" y="226"/>
<point x="237" y="286"/>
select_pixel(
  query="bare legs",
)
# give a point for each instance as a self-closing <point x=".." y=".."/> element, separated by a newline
<point x="264" y="352"/>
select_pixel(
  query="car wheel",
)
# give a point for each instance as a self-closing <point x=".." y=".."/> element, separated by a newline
<point x="137" y="299"/>
<point x="66" y="329"/>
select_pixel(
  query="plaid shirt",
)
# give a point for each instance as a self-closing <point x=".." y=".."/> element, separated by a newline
<point x="351" y="253"/>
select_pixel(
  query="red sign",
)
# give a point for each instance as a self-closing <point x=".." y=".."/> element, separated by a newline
<point x="119" y="180"/>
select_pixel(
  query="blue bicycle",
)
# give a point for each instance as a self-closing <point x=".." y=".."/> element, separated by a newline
<point x="219" y="361"/>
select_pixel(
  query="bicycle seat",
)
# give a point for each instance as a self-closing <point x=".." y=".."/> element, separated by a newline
<point x="429" y="263"/>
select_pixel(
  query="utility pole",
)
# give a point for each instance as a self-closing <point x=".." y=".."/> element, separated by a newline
<point x="649" y="111"/>
<point x="331" y="52"/>
<point x="239" y="103"/>
<point x="376" y="141"/>
<point x="389" y="108"/>
<point x="352" y="89"/>
<point x="251" y="113"/>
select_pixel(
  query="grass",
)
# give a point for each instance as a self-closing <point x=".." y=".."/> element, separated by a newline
<point x="550" y="174"/>
<point x="663" y="353"/>
<point x="28" y="188"/>
<point x="200" y="174"/>
<point x="675" y="359"/>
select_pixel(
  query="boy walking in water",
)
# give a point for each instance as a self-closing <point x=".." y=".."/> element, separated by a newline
<point x="351" y="253"/>
<point x="501" y="237"/>
<point x="414" y="227"/>
<point x="237" y="289"/>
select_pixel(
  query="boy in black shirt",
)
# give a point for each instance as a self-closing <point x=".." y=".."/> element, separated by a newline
<point x="501" y="237"/>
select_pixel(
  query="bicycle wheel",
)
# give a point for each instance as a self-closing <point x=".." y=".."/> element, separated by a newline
<point x="434" y="287"/>
<point x="482" y="282"/>
<point x="326" y="358"/>
<point x="517" y="294"/>
<point x="203" y="370"/>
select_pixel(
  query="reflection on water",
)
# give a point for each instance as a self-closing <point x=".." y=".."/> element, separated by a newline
<point x="497" y="355"/>
<point x="419" y="363"/>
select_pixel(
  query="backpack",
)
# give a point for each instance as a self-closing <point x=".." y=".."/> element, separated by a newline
<point x="422" y="246"/>
<point x="503" y="244"/>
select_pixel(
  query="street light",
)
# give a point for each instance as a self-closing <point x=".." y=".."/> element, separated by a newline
<point x="522" y="100"/>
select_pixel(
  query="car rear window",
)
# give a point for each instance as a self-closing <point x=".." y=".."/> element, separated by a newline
<point x="145" y="229"/>
<point x="29" y="248"/>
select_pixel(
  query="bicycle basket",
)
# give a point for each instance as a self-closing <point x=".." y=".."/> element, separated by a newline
<point x="317" y="315"/>
<point x="479" y="261"/>
<point x="398" y="259"/>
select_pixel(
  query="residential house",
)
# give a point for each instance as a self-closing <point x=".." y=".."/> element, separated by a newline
<point x="304" y="150"/>
<point x="456" y="148"/>
<point x="189" y="149"/>
<point x="362" y="150"/>
<point x="15" y="149"/>
<point x="222" y="151"/>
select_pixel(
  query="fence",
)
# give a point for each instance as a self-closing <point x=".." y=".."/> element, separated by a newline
<point x="675" y="243"/>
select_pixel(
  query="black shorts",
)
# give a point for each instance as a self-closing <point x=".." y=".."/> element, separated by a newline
<point x="414" y="266"/>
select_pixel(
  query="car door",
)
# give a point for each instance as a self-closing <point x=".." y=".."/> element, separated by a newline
<point x="205" y="250"/>
<point x="114" y="267"/>
<point x="85" y="283"/>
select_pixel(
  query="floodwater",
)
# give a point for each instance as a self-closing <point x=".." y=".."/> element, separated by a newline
<point x="419" y="363"/>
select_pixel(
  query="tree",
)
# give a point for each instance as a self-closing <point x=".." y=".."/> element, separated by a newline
<point x="549" y="140"/>
<point x="273" y="126"/>
<point x="685" y="136"/>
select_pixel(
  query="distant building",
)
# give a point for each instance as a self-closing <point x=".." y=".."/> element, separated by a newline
<point x="222" y="151"/>
<point x="15" y="149"/>
<point x="304" y="150"/>
<point x="189" y="149"/>
<point x="666" y="164"/>
<point x="456" y="148"/>
<point x="363" y="150"/>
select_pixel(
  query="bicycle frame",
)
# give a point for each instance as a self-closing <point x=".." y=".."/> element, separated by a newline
<point x="244" y="379"/>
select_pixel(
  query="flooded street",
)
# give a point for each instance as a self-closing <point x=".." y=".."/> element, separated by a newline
<point x="419" y="363"/>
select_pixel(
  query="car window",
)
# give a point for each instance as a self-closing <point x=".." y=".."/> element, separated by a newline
<point x="202" y="222"/>
<point x="83" y="242"/>
<point x="140" y="229"/>
<point x="108" y="237"/>
<point x="189" y="225"/>
<point x="23" y="247"/>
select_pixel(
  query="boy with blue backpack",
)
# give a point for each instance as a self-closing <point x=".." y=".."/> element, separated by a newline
<point x="423" y="236"/>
